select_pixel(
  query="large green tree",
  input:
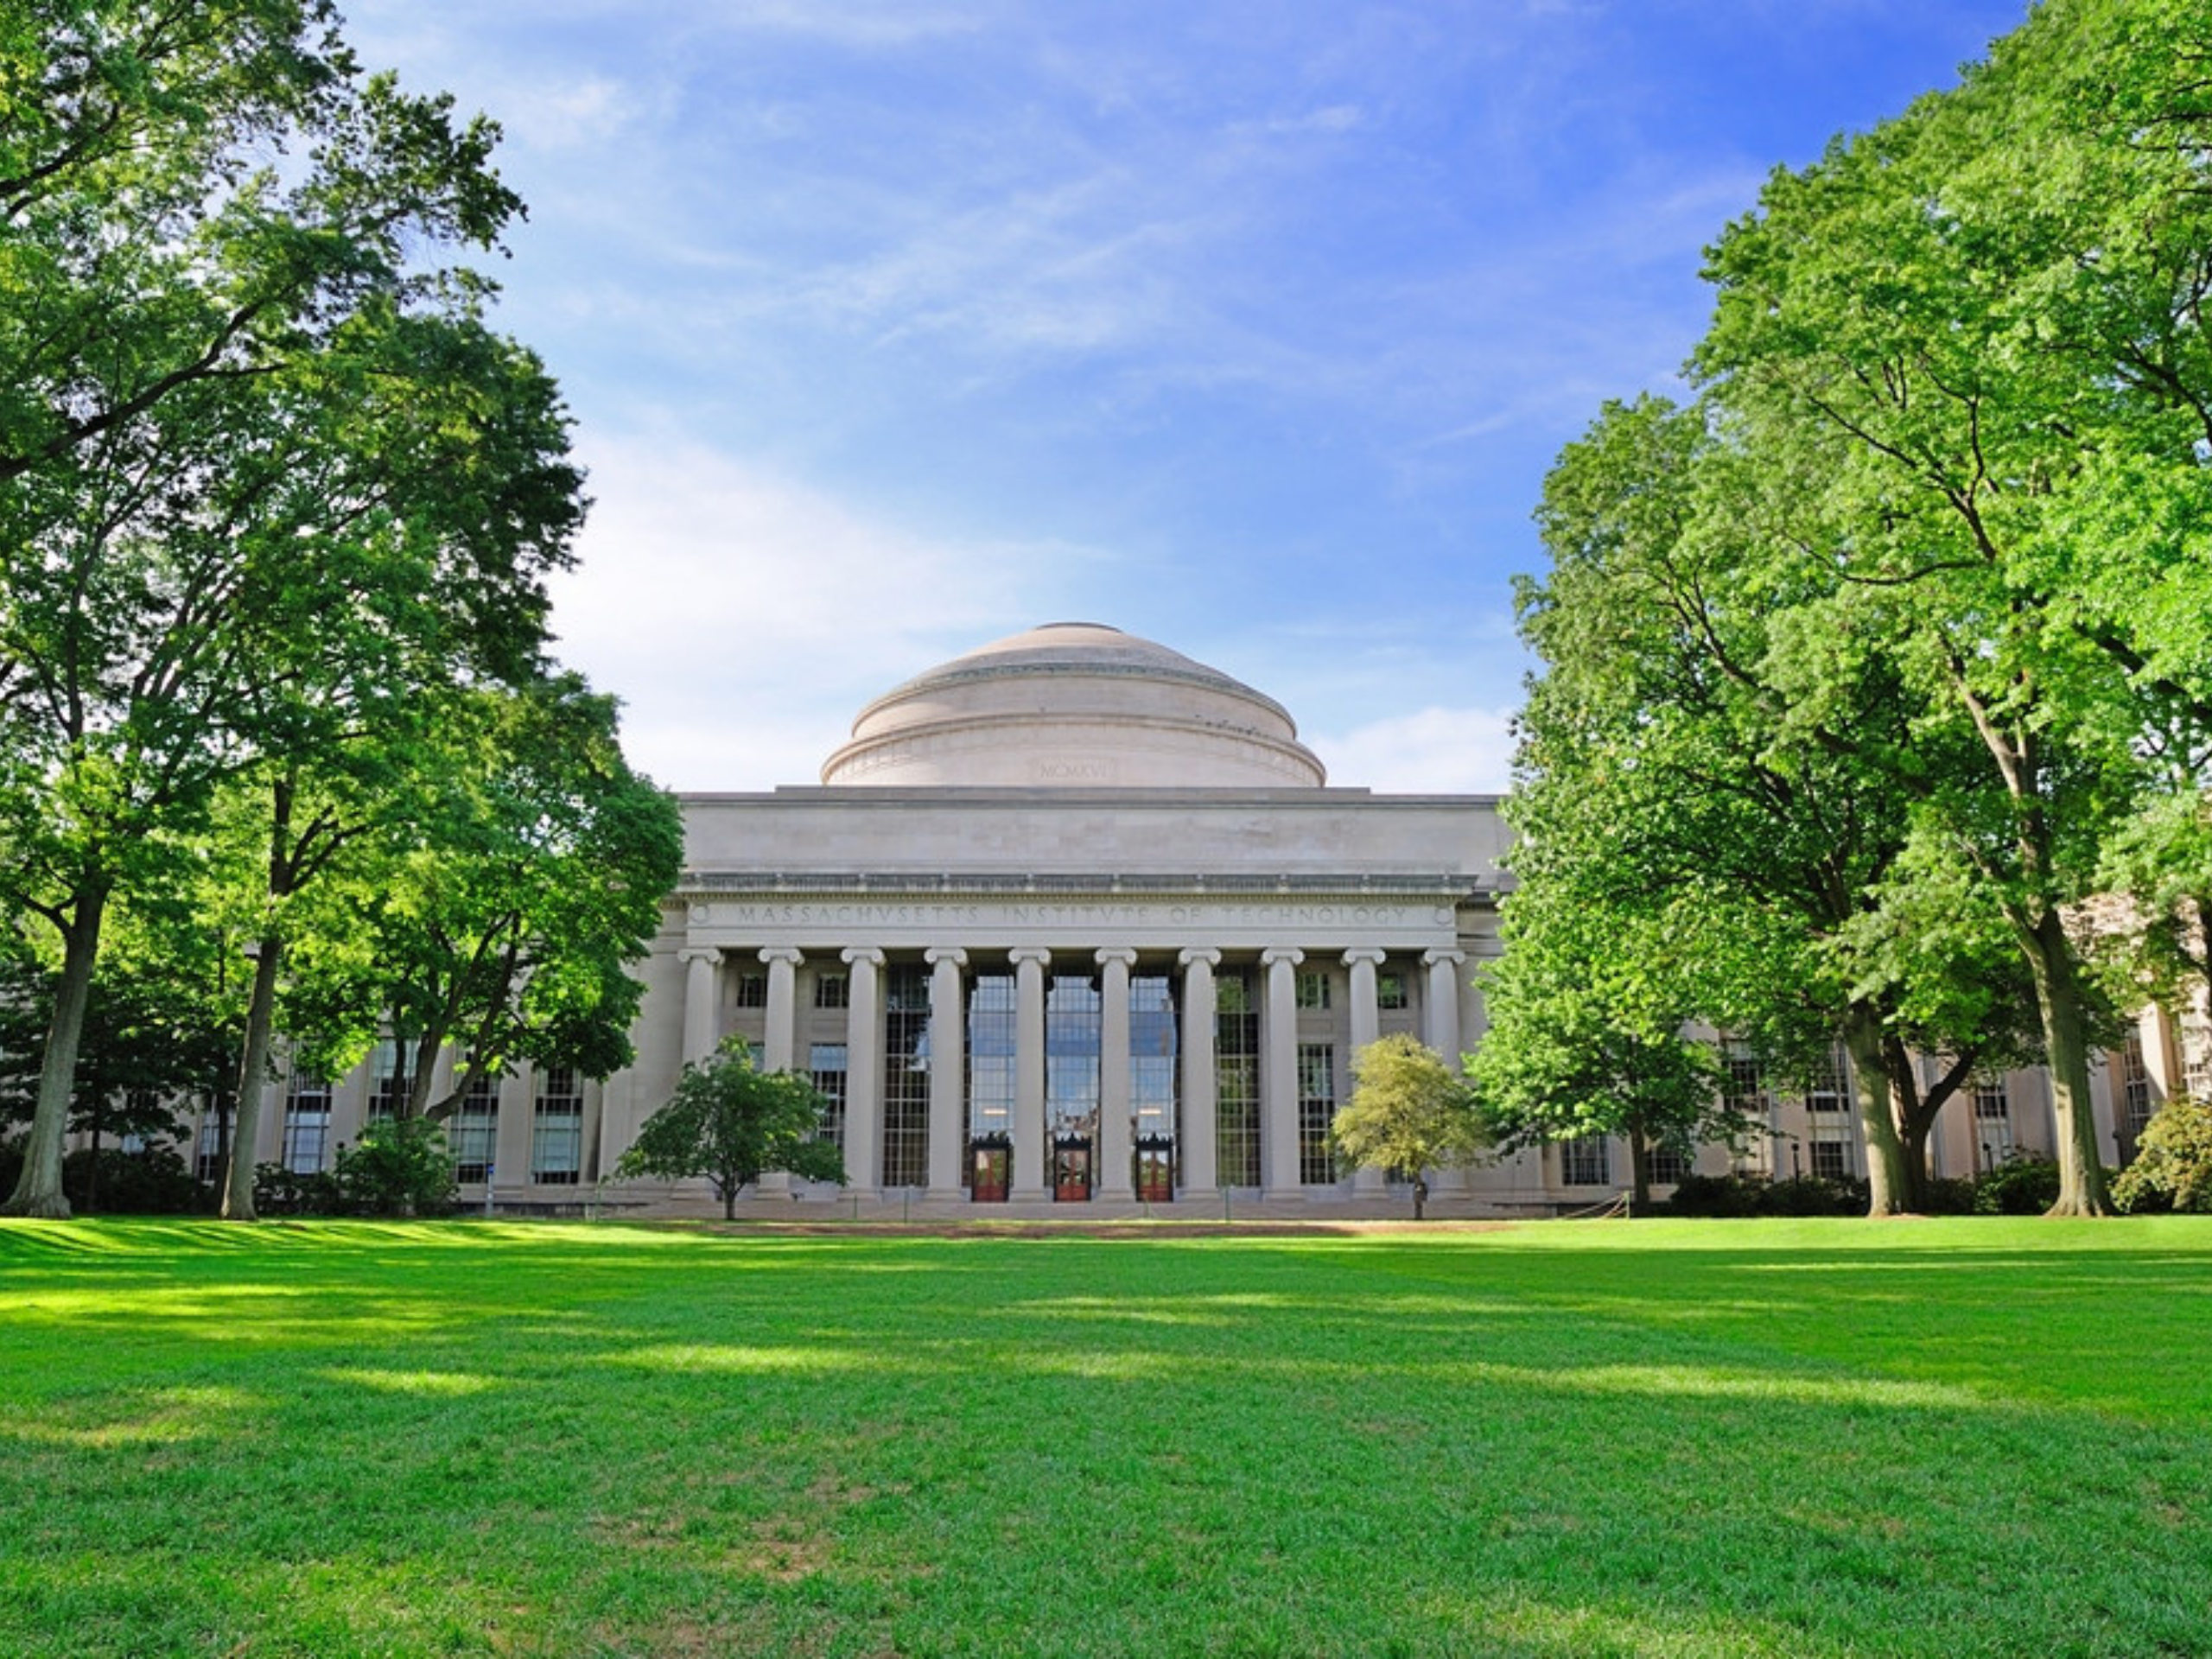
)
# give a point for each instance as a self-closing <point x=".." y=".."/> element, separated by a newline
<point x="1980" y="326"/>
<point x="511" y="885"/>
<point x="209" y="359"/>
<point x="1675" y="772"/>
<point x="440" y="463"/>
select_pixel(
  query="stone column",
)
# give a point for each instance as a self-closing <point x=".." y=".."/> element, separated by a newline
<point x="1029" y="1147"/>
<point x="1195" y="1148"/>
<point x="1367" y="1181"/>
<point x="1279" y="1076"/>
<point x="864" y="1072"/>
<point x="1440" y="1025"/>
<point x="779" y="1038"/>
<point x="780" y="1033"/>
<point x="948" y="1069"/>
<point x="701" y="983"/>
<point x="442" y="1069"/>
<point x="274" y="1096"/>
<point x="618" y="1118"/>
<point x="513" y="1132"/>
<point x="1114" y="1151"/>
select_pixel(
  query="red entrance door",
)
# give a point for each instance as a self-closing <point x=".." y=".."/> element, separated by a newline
<point x="1155" y="1175"/>
<point x="990" y="1175"/>
<point x="1071" y="1172"/>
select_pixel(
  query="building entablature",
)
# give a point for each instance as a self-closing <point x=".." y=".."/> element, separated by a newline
<point x="927" y="836"/>
<point x="730" y="913"/>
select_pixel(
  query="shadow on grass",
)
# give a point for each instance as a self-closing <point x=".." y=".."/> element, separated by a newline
<point x="1506" y="1444"/>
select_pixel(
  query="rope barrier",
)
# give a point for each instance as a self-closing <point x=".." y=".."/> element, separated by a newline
<point x="1611" y="1209"/>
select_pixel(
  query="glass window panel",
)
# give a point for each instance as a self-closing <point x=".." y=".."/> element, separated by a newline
<point x="827" y="1065"/>
<point x="557" y="1138"/>
<point x="1317" y="1110"/>
<point x="1236" y="1081"/>
<point x="905" y="1076"/>
<point x="1586" y="1161"/>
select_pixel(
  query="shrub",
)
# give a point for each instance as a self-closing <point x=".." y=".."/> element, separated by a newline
<point x="152" y="1182"/>
<point x="1815" y="1195"/>
<point x="280" y="1192"/>
<point x="2026" y="1184"/>
<point x="398" y="1167"/>
<point x="1947" y="1196"/>
<point x="2173" y="1163"/>
<point x="1717" y="1195"/>
<point x="1755" y="1195"/>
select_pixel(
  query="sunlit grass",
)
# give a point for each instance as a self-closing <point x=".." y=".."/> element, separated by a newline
<point x="1954" y="1438"/>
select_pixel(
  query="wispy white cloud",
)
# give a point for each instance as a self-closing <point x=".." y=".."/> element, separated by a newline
<point x="567" y="114"/>
<point x="872" y="24"/>
<point x="1429" y="751"/>
<point x="745" y="619"/>
<point x="894" y="325"/>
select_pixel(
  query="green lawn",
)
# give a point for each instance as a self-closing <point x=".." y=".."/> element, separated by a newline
<point x="1945" y="1438"/>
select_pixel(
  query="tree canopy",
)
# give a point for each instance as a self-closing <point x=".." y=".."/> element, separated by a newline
<point x="275" y="494"/>
<point x="733" y="1122"/>
<point x="1920" y="590"/>
<point x="1408" y="1111"/>
<point x="1587" y="1038"/>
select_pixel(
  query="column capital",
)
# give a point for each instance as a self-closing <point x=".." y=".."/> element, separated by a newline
<point x="1371" y="954"/>
<point x="951" y="953"/>
<point x="1197" y="956"/>
<point x="706" y="953"/>
<point x="1106" y="955"/>
<point x="1287" y="954"/>
<point x="1027" y="953"/>
<point x="1440" y="954"/>
<point x="773" y="954"/>
<point x="858" y="953"/>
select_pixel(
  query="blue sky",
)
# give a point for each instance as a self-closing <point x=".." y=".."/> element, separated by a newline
<point x="1248" y="326"/>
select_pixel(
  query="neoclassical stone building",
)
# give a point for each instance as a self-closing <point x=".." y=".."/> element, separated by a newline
<point x="1073" y="919"/>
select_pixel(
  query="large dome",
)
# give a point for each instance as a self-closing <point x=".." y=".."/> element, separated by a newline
<point x="1075" y="705"/>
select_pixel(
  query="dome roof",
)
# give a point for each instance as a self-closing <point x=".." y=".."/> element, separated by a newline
<point x="1076" y="705"/>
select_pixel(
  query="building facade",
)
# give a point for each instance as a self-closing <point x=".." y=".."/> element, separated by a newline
<point x="1075" y="920"/>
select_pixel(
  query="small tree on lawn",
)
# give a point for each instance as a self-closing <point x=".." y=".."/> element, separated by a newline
<point x="733" y="1122"/>
<point x="1409" y="1112"/>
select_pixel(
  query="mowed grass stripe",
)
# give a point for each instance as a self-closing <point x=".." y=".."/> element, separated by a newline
<point x="1960" y="1437"/>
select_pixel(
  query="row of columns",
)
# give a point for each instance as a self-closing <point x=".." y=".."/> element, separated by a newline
<point x="1196" y="1151"/>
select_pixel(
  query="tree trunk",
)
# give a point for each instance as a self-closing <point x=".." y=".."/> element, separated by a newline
<point x="1912" y="1128"/>
<point x="417" y="1101"/>
<point x="2058" y="999"/>
<point x="38" y="1191"/>
<point x="2204" y="947"/>
<point x="219" y="1104"/>
<point x="1639" y="1168"/>
<point x="1421" y="1197"/>
<point x="1912" y="1148"/>
<point x="1888" y="1184"/>
<point x="729" y="1201"/>
<point x="253" y="1071"/>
